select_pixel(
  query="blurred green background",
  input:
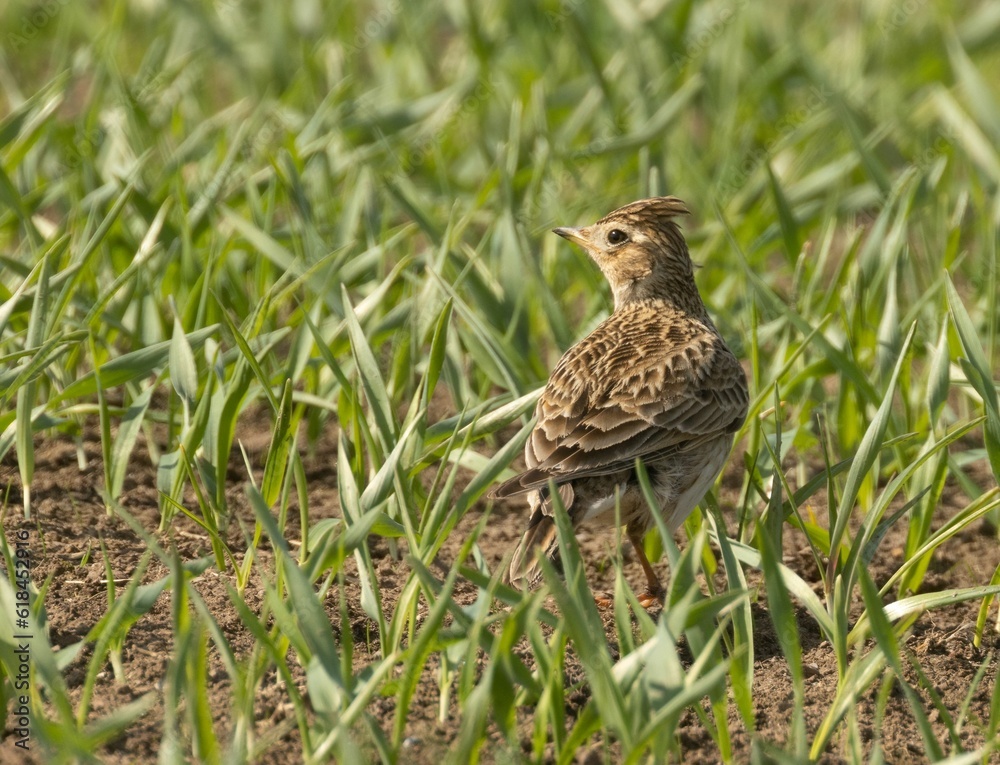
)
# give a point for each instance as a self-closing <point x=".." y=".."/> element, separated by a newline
<point x="809" y="141"/>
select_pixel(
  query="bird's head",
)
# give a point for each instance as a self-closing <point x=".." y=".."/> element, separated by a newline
<point x="640" y="250"/>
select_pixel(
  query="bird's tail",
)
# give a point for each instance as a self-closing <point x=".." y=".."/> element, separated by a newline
<point x="538" y="541"/>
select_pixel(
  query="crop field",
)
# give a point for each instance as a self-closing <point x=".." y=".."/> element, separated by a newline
<point x="278" y="295"/>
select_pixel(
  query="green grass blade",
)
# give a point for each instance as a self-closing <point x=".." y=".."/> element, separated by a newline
<point x="863" y="461"/>
<point x="977" y="370"/>
<point x="282" y="436"/>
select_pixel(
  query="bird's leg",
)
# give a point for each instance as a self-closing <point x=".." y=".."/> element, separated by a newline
<point x="602" y="602"/>
<point x="654" y="591"/>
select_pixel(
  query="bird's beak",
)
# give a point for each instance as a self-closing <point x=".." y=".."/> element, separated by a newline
<point x="578" y="235"/>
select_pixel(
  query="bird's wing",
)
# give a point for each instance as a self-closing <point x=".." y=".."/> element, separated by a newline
<point x="605" y="406"/>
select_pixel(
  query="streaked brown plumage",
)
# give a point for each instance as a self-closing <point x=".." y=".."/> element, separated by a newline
<point x="655" y="380"/>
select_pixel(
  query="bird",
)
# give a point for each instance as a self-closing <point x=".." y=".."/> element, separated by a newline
<point x="655" y="381"/>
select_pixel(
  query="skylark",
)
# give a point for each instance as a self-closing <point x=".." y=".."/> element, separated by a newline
<point x="655" y="381"/>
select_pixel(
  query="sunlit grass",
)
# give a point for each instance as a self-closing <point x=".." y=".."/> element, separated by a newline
<point x="337" y="220"/>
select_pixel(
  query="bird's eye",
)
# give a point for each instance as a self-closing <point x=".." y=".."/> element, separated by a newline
<point x="617" y="236"/>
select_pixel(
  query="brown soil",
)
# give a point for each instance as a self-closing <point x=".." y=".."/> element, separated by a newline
<point x="71" y="523"/>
